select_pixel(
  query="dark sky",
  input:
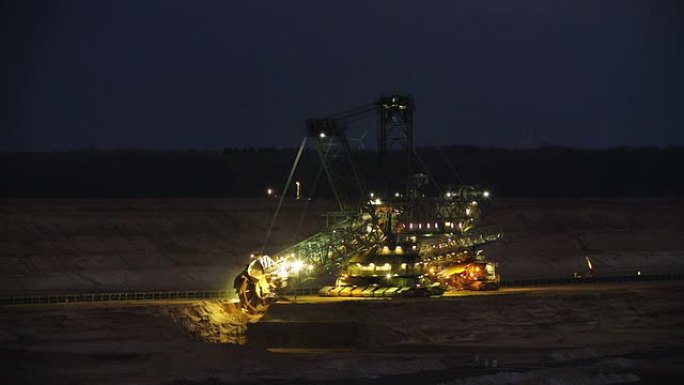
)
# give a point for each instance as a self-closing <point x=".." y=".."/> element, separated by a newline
<point x="212" y="74"/>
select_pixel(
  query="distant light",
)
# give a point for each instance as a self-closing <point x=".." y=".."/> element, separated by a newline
<point x="322" y="135"/>
<point x="388" y="276"/>
<point x="485" y="194"/>
<point x="269" y="191"/>
<point x="372" y="195"/>
<point x="448" y="195"/>
<point x="396" y="194"/>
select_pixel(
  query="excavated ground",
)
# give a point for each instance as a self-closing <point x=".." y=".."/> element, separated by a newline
<point x="599" y="334"/>
<point x="548" y="238"/>
<point x="115" y="245"/>
<point x="587" y="334"/>
<point x="129" y="245"/>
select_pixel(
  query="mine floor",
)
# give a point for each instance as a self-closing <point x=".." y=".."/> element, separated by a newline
<point x="604" y="333"/>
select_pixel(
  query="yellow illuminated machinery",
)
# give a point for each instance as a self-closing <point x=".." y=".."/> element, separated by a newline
<point x="413" y="239"/>
<point x="382" y="252"/>
<point x="420" y="258"/>
<point x="258" y="285"/>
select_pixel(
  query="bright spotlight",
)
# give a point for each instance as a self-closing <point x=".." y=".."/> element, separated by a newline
<point x="297" y="265"/>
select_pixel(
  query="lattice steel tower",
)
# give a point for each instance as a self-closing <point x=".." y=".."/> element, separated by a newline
<point x="395" y="143"/>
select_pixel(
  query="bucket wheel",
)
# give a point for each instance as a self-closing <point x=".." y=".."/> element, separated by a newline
<point x="250" y="295"/>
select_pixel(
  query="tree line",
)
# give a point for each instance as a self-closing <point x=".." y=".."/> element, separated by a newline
<point x="548" y="171"/>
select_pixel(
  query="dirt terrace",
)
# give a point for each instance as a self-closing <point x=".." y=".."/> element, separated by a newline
<point x="114" y="245"/>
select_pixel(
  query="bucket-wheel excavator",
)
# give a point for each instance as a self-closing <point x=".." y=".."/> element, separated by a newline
<point x="409" y="238"/>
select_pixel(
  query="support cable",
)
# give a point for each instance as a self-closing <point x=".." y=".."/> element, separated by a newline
<point x="306" y="205"/>
<point x="354" y="112"/>
<point x="450" y="165"/>
<point x="427" y="170"/>
<point x="282" y="196"/>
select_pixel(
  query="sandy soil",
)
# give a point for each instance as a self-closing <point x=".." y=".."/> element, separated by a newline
<point x="549" y="238"/>
<point x="114" y="245"/>
<point x="620" y="332"/>
<point x="581" y="335"/>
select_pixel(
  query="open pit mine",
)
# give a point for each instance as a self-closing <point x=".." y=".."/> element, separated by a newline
<point x="396" y="279"/>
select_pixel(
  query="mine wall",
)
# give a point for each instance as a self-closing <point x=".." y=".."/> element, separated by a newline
<point x="550" y="238"/>
<point x="200" y="244"/>
<point x="141" y="244"/>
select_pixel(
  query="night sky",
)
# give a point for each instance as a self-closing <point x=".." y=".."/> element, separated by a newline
<point x="213" y="74"/>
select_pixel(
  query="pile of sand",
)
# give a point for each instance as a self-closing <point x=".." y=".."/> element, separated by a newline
<point x="211" y="321"/>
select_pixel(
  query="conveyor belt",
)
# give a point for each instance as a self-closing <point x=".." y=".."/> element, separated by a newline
<point x="61" y="298"/>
